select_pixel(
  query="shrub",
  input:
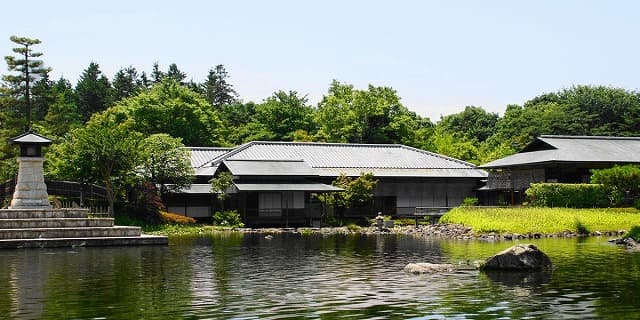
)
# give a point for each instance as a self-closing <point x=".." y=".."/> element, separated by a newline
<point x="621" y="178"/>
<point x="469" y="202"/>
<point x="354" y="227"/>
<point x="173" y="218"/>
<point x="634" y="233"/>
<point x="569" y="195"/>
<point x="228" y="219"/>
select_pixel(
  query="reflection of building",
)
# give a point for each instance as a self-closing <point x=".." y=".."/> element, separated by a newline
<point x="274" y="181"/>
<point x="565" y="159"/>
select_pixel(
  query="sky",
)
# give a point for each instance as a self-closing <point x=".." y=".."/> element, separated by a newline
<point x="440" y="56"/>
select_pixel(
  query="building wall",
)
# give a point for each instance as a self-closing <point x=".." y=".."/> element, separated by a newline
<point x="392" y="197"/>
<point x="410" y="195"/>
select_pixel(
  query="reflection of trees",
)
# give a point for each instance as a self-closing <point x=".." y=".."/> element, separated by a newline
<point x="119" y="283"/>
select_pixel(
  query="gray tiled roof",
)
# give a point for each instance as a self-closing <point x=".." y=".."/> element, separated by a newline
<point x="329" y="159"/>
<point x="202" y="155"/>
<point x="269" y="168"/>
<point x="584" y="149"/>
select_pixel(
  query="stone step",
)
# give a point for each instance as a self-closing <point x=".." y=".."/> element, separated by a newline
<point x="80" y="232"/>
<point x="83" y="242"/>
<point x="55" y="223"/>
<point x="43" y="213"/>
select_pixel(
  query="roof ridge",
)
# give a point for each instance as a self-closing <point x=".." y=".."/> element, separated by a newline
<point x="233" y="151"/>
<point x="550" y="136"/>
<point x="319" y="143"/>
<point x="208" y="148"/>
<point x="473" y="166"/>
<point x="267" y="160"/>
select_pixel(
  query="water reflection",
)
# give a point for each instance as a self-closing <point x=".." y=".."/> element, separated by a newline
<point x="323" y="277"/>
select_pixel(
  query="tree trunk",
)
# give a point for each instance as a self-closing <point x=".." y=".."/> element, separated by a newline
<point x="110" y="196"/>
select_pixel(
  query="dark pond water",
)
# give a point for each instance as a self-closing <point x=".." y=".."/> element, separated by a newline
<point x="294" y="276"/>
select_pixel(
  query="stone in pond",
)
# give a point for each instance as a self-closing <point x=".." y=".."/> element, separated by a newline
<point x="521" y="257"/>
<point x="418" y="268"/>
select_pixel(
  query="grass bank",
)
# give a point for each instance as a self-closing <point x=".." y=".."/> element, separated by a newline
<point x="526" y="220"/>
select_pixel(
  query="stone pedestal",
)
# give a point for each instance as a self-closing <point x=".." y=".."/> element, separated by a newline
<point x="30" y="191"/>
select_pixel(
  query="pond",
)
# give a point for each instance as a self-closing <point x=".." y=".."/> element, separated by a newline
<point x="243" y="276"/>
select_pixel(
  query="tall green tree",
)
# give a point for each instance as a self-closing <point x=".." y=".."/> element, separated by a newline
<point x="103" y="151"/>
<point x="28" y="68"/>
<point x="62" y="115"/>
<point x="282" y="114"/>
<point x="172" y="109"/>
<point x="126" y="83"/>
<point x="93" y="91"/>
<point x="217" y="89"/>
<point x="220" y="185"/>
<point x="156" y="74"/>
<point x="474" y="123"/>
<point x="165" y="163"/>
<point x="374" y="115"/>
<point x="175" y="74"/>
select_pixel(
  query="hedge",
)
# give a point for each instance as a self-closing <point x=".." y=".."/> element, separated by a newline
<point x="569" y="195"/>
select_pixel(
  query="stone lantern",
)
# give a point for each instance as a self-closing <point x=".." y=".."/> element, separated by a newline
<point x="30" y="191"/>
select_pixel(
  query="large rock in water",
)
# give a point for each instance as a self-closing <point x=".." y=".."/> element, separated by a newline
<point x="521" y="257"/>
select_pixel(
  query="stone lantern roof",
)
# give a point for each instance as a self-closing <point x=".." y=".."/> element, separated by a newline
<point x="30" y="137"/>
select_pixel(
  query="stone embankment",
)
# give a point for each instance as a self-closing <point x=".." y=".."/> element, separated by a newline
<point x="449" y="231"/>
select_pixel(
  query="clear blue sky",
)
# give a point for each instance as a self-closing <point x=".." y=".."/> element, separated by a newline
<point x="439" y="55"/>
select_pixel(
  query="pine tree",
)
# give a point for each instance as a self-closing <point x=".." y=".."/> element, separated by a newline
<point x="156" y="74"/>
<point x="175" y="74"/>
<point x="28" y="69"/>
<point x="126" y="83"/>
<point x="93" y="91"/>
<point x="216" y="88"/>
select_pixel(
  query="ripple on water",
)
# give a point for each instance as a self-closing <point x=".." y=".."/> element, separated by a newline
<point x="289" y="276"/>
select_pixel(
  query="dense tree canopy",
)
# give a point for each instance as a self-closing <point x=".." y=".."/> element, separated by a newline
<point x="211" y="113"/>
<point x="172" y="109"/>
<point x="374" y="115"/>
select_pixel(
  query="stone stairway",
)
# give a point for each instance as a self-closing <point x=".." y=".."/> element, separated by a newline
<point x="40" y="228"/>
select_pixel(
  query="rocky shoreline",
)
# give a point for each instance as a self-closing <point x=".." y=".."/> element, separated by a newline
<point x="448" y="231"/>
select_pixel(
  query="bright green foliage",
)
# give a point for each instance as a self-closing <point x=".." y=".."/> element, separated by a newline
<point x="172" y="109"/>
<point x="220" y="185"/>
<point x="469" y="202"/>
<point x="93" y="92"/>
<point x="579" y="110"/>
<point x="569" y="195"/>
<point x="634" y="233"/>
<point x="526" y="220"/>
<point x="474" y="123"/>
<point x="356" y="191"/>
<point x="621" y="179"/>
<point x="228" y="219"/>
<point x="447" y="144"/>
<point x="282" y="114"/>
<point x="103" y="152"/>
<point x="165" y="162"/>
<point x="374" y="115"/>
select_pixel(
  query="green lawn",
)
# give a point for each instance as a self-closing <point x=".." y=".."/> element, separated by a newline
<point x="542" y="220"/>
